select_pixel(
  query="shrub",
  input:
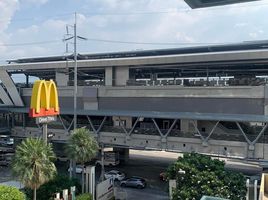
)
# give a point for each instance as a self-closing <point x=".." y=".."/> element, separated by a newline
<point x="85" y="196"/>
<point x="58" y="184"/>
<point x="205" y="176"/>
<point x="10" y="193"/>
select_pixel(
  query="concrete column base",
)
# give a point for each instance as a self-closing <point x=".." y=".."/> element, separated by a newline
<point x="123" y="154"/>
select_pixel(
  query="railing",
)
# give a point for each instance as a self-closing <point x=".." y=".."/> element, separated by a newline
<point x="200" y="82"/>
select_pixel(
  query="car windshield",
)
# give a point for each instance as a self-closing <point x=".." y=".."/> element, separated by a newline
<point x="138" y="179"/>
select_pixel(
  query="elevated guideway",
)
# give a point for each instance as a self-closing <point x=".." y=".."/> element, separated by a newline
<point x="206" y="99"/>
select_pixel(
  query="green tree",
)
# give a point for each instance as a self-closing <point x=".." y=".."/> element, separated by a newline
<point x="33" y="163"/>
<point x="58" y="184"/>
<point x="10" y="193"/>
<point x="82" y="147"/>
<point x="205" y="176"/>
<point x="85" y="196"/>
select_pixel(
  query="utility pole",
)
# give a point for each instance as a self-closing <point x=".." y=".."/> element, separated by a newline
<point x="75" y="71"/>
<point x="74" y="37"/>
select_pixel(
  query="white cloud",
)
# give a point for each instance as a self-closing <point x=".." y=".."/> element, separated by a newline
<point x="37" y="2"/>
<point x="178" y="24"/>
<point x="8" y="8"/>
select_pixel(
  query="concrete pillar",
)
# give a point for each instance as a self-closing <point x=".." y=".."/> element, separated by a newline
<point x="90" y="180"/>
<point x="121" y="75"/>
<point x="187" y="125"/>
<point x="27" y="81"/>
<point x="265" y="100"/>
<point x="123" y="154"/>
<point x="126" y="121"/>
<point x="62" y="79"/>
<point x="109" y="76"/>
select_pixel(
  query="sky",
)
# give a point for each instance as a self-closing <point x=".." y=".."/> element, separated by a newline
<point x="35" y="28"/>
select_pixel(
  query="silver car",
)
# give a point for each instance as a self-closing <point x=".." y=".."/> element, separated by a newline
<point x="136" y="182"/>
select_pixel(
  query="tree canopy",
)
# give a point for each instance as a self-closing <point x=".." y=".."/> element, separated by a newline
<point x="33" y="163"/>
<point x="82" y="147"/>
<point x="205" y="176"/>
<point x="10" y="193"/>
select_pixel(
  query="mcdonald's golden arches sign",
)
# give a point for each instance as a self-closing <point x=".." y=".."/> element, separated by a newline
<point x="44" y="100"/>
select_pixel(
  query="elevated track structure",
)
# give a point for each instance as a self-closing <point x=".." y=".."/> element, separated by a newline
<point x="206" y="99"/>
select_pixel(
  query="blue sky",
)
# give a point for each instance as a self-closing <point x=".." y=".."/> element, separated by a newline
<point x="144" y="21"/>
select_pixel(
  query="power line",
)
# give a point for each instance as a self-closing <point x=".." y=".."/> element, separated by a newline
<point x="48" y="42"/>
<point x="32" y="43"/>
<point x="151" y="43"/>
<point x="47" y="17"/>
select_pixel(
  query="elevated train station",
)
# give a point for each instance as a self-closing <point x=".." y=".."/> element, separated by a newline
<point x="207" y="99"/>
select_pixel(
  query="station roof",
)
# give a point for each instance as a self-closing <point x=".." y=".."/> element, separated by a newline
<point x="209" y="3"/>
<point x="243" y="46"/>
<point x="154" y="114"/>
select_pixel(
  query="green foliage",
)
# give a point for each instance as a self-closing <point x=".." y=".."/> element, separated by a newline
<point x="205" y="176"/>
<point x="33" y="163"/>
<point x="10" y="193"/>
<point x="58" y="184"/>
<point x="84" y="197"/>
<point x="82" y="146"/>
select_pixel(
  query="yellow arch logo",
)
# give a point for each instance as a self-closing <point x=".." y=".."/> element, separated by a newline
<point x="44" y="100"/>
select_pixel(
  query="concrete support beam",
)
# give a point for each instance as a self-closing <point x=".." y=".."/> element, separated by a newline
<point x="123" y="121"/>
<point x="11" y="88"/>
<point x="265" y="100"/>
<point x="121" y="75"/>
<point x="62" y="78"/>
<point x="109" y="76"/>
<point x="123" y="154"/>
<point x="187" y="125"/>
<point x="4" y="97"/>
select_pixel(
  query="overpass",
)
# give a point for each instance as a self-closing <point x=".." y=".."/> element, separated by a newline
<point x="209" y="99"/>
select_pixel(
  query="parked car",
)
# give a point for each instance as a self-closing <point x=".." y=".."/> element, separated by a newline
<point x="134" y="181"/>
<point x="115" y="175"/>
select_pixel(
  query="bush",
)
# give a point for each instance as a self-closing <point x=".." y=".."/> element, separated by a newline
<point x="10" y="193"/>
<point x="59" y="183"/>
<point x="85" y="196"/>
<point x="197" y="175"/>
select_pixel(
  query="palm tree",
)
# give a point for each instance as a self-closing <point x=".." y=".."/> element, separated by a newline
<point x="82" y="147"/>
<point x="33" y="163"/>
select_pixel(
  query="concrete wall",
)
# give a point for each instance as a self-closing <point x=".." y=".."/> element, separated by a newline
<point x="229" y="100"/>
<point x="206" y="105"/>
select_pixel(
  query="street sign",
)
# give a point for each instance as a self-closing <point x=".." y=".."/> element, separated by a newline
<point x="46" y="119"/>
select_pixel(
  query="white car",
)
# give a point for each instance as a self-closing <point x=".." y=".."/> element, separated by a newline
<point x="78" y="169"/>
<point x="115" y="175"/>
